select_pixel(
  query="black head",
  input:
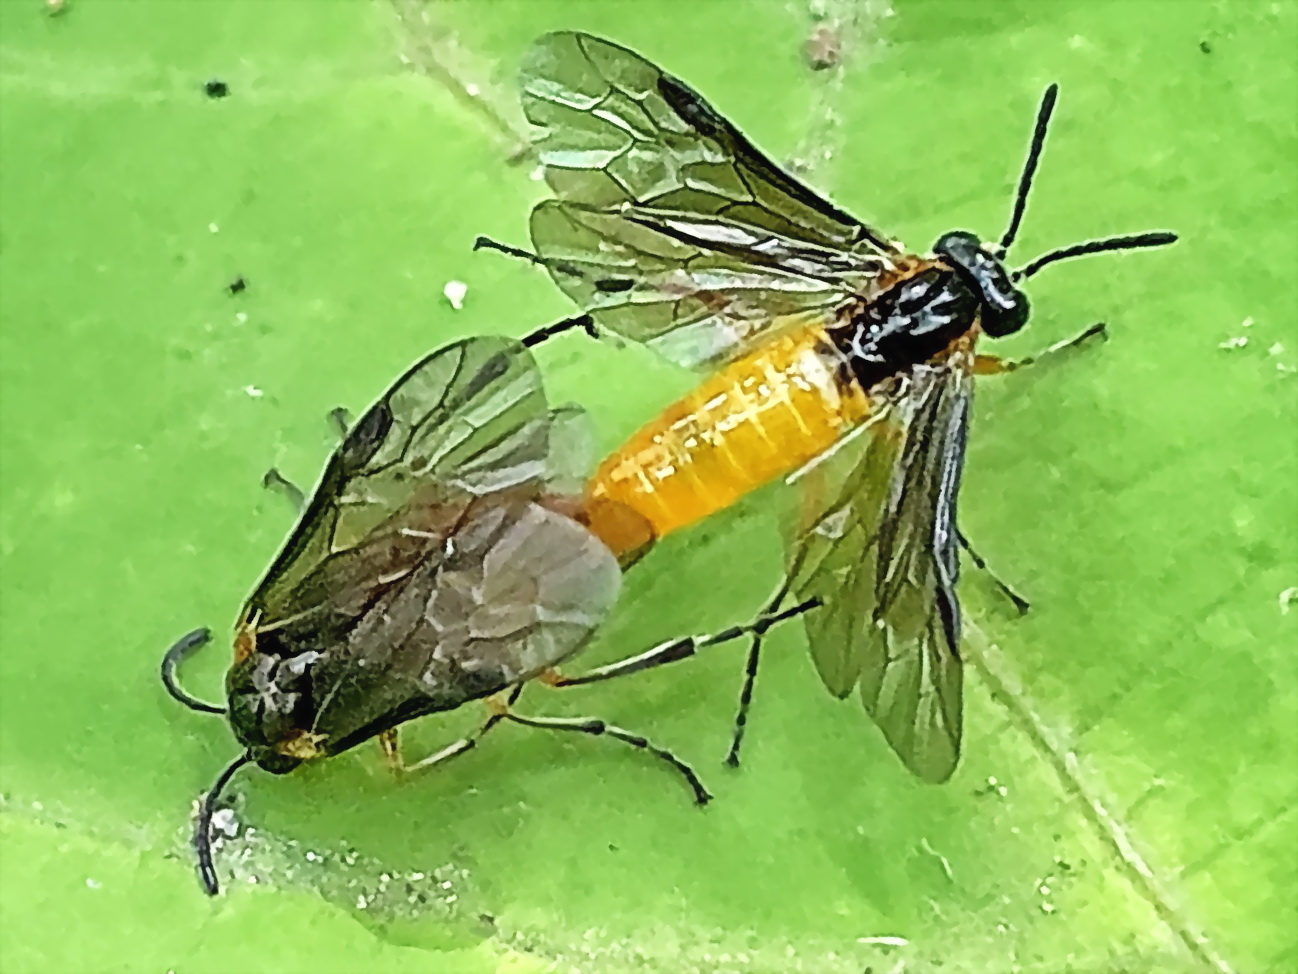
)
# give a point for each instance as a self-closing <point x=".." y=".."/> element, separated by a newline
<point x="270" y="707"/>
<point x="1004" y="308"/>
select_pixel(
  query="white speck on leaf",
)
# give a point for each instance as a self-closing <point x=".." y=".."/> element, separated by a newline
<point x="454" y="292"/>
<point x="1287" y="598"/>
<point x="223" y="821"/>
<point x="213" y="228"/>
<point x="1239" y="341"/>
<point x="253" y="391"/>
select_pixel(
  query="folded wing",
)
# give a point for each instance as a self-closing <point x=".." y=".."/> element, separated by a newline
<point x="882" y="554"/>
<point x="435" y="562"/>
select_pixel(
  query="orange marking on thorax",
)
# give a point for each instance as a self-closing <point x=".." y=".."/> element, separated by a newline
<point x="245" y="636"/>
<point x="758" y="418"/>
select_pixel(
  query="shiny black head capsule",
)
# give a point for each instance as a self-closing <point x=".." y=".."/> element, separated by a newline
<point x="1004" y="308"/>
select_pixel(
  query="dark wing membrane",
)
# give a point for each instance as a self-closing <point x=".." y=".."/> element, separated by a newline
<point x="667" y="217"/>
<point x="513" y="589"/>
<point x="883" y="557"/>
<point x="469" y="419"/>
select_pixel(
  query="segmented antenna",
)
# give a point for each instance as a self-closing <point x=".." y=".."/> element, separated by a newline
<point x="1029" y="168"/>
<point x="1135" y="241"/>
<point x="203" y="828"/>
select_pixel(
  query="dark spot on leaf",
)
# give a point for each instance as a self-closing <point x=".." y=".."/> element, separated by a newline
<point x="216" y="88"/>
<point x="614" y="285"/>
<point x="823" y="49"/>
<point x="237" y="286"/>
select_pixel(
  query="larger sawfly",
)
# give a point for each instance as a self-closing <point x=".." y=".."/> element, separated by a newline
<point x="828" y="345"/>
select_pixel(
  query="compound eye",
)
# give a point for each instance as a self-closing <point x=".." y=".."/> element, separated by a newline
<point x="999" y="321"/>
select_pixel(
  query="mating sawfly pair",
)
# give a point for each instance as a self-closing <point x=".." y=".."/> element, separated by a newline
<point x="458" y="546"/>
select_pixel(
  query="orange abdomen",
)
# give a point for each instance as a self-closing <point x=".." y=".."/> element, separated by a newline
<point x="758" y="418"/>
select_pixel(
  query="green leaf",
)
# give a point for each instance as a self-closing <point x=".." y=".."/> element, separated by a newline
<point x="1126" y="798"/>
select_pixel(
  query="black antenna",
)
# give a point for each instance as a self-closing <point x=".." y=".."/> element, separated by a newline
<point x="181" y="649"/>
<point x="1029" y="167"/>
<point x="203" y="828"/>
<point x="1135" y="241"/>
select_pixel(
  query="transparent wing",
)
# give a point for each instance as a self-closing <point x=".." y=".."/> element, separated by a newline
<point x="514" y="589"/>
<point x="466" y="421"/>
<point x="883" y="557"/>
<point x="667" y="218"/>
<point x="436" y="562"/>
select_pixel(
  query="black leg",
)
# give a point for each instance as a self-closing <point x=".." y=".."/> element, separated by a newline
<point x="340" y="420"/>
<point x="179" y="650"/>
<point x="678" y="649"/>
<point x="272" y="479"/>
<point x="562" y="266"/>
<point x="1019" y="601"/>
<point x="486" y="243"/>
<point x="585" y="322"/>
<point x="751" y="665"/>
<point x="392" y="753"/>
<point x="990" y="365"/>
<point x="598" y="728"/>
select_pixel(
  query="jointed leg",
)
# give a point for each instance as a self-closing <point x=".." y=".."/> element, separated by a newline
<point x="487" y="243"/>
<point x="562" y="266"/>
<point x="751" y="665"/>
<point x="390" y="746"/>
<point x="675" y="649"/>
<point x="1019" y="601"/>
<point x="598" y="728"/>
<point x="585" y="322"/>
<point x="500" y="710"/>
<point x="272" y="479"/>
<point x="341" y="420"/>
<point x="686" y="646"/>
<point x="992" y="365"/>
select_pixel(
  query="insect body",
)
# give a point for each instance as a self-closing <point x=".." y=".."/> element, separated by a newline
<point x="787" y="402"/>
<point x="752" y="421"/>
<point x="671" y="228"/>
<point x="445" y="556"/>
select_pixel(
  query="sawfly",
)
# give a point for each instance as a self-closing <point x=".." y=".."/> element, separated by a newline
<point x="829" y="348"/>
<point x="446" y="555"/>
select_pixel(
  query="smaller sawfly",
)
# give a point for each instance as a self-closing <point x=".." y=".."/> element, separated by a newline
<point x="445" y="556"/>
